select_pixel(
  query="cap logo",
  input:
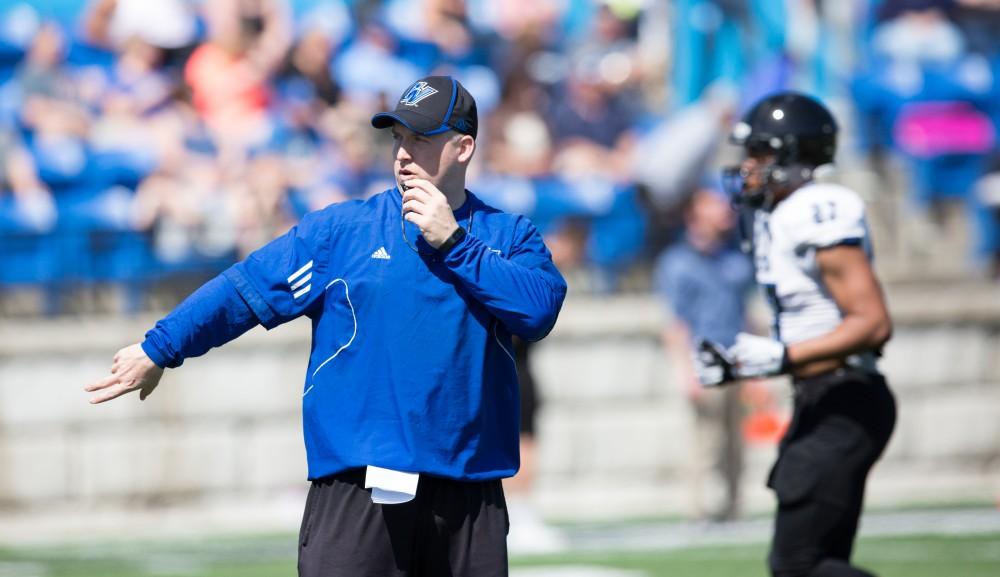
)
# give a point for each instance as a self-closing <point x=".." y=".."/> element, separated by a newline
<point x="416" y="93"/>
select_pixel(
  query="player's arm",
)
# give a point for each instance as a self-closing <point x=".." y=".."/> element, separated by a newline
<point x="864" y="326"/>
<point x="848" y="276"/>
<point x="834" y="226"/>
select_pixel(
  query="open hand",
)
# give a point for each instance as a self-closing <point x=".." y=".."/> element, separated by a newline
<point x="131" y="370"/>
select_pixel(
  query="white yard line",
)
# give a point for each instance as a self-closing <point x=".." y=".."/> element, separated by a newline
<point x="678" y="535"/>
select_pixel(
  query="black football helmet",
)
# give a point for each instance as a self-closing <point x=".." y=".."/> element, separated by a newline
<point x="795" y="132"/>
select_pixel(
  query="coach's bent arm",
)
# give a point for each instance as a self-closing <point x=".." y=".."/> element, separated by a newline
<point x="524" y="291"/>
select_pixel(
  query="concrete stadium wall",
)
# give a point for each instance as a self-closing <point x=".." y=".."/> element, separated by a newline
<point x="618" y="435"/>
<point x="224" y="430"/>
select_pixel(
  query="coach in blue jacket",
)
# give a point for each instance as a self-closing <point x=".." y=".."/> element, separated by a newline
<point x="410" y="403"/>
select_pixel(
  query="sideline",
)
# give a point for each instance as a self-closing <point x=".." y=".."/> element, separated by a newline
<point x="662" y="536"/>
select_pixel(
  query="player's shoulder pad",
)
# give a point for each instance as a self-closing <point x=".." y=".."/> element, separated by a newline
<point x="814" y="201"/>
<point x="826" y="192"/>
<point x="822" y="214"/>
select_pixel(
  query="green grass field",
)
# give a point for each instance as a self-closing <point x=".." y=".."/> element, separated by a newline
<point x="273" y="556"/>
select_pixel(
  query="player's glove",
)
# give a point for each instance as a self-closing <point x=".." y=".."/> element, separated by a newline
<point x="712" y="364"/>
<point x="753" y="356"/>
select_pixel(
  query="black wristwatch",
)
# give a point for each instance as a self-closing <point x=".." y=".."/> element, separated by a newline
<point x="451" y="241"/>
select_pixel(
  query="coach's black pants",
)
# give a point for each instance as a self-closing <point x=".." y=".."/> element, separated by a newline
<point x="841" y="423"/>
<point x="450" y="529"/>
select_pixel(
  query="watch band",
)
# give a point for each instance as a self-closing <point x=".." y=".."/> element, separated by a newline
<point x="452" y="240"/>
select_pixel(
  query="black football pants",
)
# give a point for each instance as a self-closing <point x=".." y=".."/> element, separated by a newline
<point x="841" y="423"/>
<point x="450" y="529"/>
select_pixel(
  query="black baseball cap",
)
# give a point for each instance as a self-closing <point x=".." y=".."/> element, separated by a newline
<point x="432" y="105"/>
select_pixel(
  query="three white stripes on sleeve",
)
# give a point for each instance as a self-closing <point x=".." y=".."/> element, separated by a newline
<point x="299" y="278"/>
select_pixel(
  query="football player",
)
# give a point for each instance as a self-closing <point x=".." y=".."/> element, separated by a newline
<point x="812" y="256"/>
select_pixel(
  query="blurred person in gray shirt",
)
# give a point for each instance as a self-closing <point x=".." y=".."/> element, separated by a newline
<point x="704" y="281"/>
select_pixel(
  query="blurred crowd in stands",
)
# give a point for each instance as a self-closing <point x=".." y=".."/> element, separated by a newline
<point x="143" y="140"/>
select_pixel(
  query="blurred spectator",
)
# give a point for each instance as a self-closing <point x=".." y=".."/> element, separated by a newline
<point x="25" y="201"/>
<point x="670" y="159"/>
<point x="309" y="106"/>
<point x="519" y="139"/>
<point x="166" y="24"/>
<point x="181" y="206"/>
<point x="517" y="19"/>
<point x="593" y="116"/>
<point x="567" y="241"/>
<point x="198" y="207"/>
<point x="917" y="31"/>
<point x="260" y="201"/>
<point x="136" y="84"/>
<point x="475" y="56"/>
<point x="610" y="47"/>
<point x="307" y="93"/>
<point x="51" y="108"/>
<point x="458" y="43"/>
<point x="229" y="94"/>
<point x="305" y="74"/>
<point x="250" y="129"/>
<point x="917" y="55"/>
<point x="350" y="167"/>
<point x="45" y="84"/>
<point x="926" y="97"/>
<point x="704" y="281"/>
<point x="449" y="24"/>
<point x="135" y="93"/>
<point x="228" y="75"/>
<point x="592" y="125"/>
<point x="979" y="21"/>
<point x="262" y="29"/>
<point x="369" y="69"/>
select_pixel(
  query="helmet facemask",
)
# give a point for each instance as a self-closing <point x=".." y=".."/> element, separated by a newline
<point x="786" y="135"/>
<point x="778" y="166"/>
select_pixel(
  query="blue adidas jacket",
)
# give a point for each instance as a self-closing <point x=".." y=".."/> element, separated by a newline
<point x="411" y="365"/>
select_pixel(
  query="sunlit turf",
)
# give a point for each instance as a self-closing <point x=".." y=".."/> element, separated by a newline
<point x="274" y="556"/>
<point x="912" y="556"/>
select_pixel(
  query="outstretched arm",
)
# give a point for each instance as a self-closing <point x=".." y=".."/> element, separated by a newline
<point x="212" y="316"/>
<point x="256" y="291"/>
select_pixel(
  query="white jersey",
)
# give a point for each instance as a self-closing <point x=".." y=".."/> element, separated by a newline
<point x="813" y="217"/>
